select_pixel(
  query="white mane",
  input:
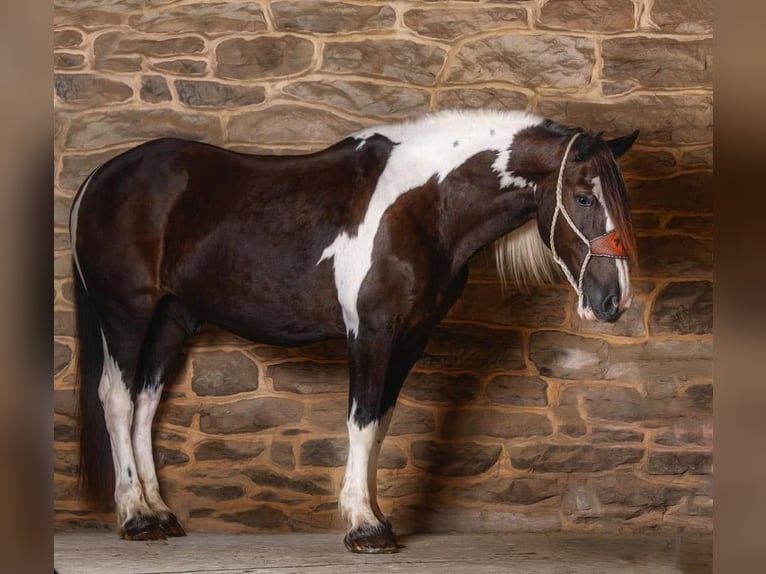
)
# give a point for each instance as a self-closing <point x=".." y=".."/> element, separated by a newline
<point x="523" y="259"/>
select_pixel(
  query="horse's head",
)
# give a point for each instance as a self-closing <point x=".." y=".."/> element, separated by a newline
<point x="584" y="218"/>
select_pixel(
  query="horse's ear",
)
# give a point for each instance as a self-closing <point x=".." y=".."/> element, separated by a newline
<point x="620" y="145"/>
<point x="586" y="145"/>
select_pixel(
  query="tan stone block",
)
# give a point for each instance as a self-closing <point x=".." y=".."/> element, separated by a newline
<point x="454" y="22"/>
<point x="250" y="415"/>
<point x="566" y="356"/>
<point x="67" y="38"/>
<point x="494" y="423"/>
<point x="363" y="97"/>
<point x="90" y="89"/>
<point x="683" y="308"/>
<point x="307" y="378"/>
<point x="686" y="192"/>
<point x="493" y="98"/>
<point x="651" y="62"/>
<point x="473" y="347"/>
<point x="124" y="52"/>
<point x="93" y="13"/>
<point x="698" y="158"/>
<point x="98" y="129"/>
<point x="660" y="361"/>
<point x="331" y="17"/>
<point x="516" y="390"/>
<point x="662" y="119"/>
<point x="454" y="458"/>
<point x="683" y="16"/>
<point x="230" y="449"/>
<point x="220" y="373"/>
<point x="543" y="458"/>
<point x="285" y="124"/>
<point x="540" y="307"/>
<point x="241" y="59"/>
<point x="182" y="67"/>
<point x="506" y="491"/>
<point x="65" y="61"/>
<point x="411" y="420"/>
<point x="206" y="94"/>
<point x="644" y="163"/>
<point x="401" y="60"/>
<point x="154" y="89"/>
<point x="441" y="387"/>
<point x="675" y="256"/>
<point x="589" y="15"/>
<point x="202" y="18"/>
<point x="526" y="60"/>
<point x="75" y="169"/>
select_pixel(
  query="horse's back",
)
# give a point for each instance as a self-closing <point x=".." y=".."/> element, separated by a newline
<point x="238" y="237"/>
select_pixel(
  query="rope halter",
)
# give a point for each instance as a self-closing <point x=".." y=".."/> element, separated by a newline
<point x="607" y="245"/>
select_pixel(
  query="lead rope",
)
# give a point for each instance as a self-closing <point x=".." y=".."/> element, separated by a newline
<point x="560" y="209"/>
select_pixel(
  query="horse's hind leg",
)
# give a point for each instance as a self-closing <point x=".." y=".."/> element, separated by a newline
<point x="121" y="341"/>
<point x="161" y="349"/>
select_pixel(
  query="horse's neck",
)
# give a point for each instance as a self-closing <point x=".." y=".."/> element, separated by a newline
<point x="478" y="216"/>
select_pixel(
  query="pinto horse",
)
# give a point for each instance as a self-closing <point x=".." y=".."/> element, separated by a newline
<point x="368" y="241"/>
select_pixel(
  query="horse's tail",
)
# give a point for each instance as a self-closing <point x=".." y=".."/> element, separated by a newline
<point x="96" y="469"/>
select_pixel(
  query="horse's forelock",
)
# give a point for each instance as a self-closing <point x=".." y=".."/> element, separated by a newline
<point x="616" y="199"/>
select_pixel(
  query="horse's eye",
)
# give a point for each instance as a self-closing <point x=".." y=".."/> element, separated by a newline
<point x="584" y="199"/>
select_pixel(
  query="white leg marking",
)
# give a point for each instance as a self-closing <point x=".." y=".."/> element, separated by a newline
<point x="354" y="501"/>
<point x="434" y="146"/>
<point x="118" y="411"/>
<point x="73" y="217"/>
<point x="146" y="405"/>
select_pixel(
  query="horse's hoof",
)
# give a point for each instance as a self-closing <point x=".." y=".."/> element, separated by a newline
<point x="372" y="539"/>
<point x="390" y="530"/>
<point x="170" y="525"/>
<point x="143" y="527"/>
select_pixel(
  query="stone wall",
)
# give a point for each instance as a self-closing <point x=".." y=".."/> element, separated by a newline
<point x="519" y="416"/>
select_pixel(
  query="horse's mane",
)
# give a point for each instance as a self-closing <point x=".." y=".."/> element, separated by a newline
<point x="522" y="259"/>
<point x="616" y="199"/>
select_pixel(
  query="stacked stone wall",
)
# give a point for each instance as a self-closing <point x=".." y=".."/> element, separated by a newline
<point x="520" y="416"/>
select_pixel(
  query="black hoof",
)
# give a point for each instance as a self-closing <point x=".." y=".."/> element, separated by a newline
<point x="170" y="525"/>
<point x="143" y="527"/>
<point x="373" y="539"/>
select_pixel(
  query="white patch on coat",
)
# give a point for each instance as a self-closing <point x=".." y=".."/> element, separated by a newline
<point x="432" y="146"/>
<point x="355" y="495"/>
<point x="118" y="413"/>
<point x="146" y="405"/>
<point x="73" y="218"/>
<point x="598" y="191"/>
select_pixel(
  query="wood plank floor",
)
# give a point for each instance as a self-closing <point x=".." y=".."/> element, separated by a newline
<point x="89" y="552"/>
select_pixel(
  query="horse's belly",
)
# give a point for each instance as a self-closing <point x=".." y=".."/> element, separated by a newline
<point x="283" y="329"/>
<point x="266" y="306"/>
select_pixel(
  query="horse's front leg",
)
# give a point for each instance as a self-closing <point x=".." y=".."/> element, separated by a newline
<point x="368" y="531"/>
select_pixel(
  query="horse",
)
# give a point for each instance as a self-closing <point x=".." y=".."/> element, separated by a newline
<point x="367" y="240"/>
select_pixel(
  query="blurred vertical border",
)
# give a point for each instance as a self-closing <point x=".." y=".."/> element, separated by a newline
<point x="740" y="286"/>
<point x="26" y="279"/>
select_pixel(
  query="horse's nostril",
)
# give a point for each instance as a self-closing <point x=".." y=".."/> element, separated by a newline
<point x="611" y="304"/>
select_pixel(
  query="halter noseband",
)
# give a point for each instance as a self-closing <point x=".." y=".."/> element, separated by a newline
<point x="607" y="245"/>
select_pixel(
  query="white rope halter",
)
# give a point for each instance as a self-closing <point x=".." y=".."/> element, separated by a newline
<point x="615" y="251"/>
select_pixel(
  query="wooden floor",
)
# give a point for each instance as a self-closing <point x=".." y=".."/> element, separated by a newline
<point x="88" y="552"/>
